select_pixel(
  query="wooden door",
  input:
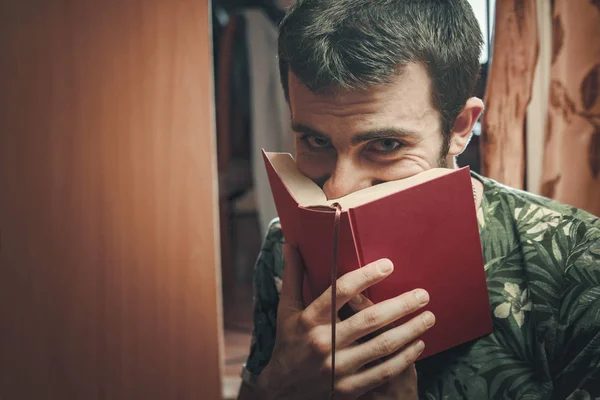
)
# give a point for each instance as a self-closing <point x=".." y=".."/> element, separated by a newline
<point x="108" y="248"/>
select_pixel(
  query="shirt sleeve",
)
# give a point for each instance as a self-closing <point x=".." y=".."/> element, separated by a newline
<point x="268" y="272"/>
<point x="575" y="355"/>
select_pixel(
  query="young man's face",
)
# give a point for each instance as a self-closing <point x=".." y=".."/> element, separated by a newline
<point x="347" y="141"/>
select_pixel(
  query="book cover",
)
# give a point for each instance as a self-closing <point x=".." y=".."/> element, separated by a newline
<point x="426" y="225"/>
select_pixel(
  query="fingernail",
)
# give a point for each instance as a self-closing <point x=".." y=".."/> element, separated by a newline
<point x="385" y="266"/>
<point x="419" y="346"/>
<point x="422" y="296"/>
<point x="356" y="300"/>
<point x="429" y="319"/>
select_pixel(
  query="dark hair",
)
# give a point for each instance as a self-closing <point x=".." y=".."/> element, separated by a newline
<point x="353" y="44"/>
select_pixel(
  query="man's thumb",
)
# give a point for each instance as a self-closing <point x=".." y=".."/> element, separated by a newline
<point x="290" y="299"/>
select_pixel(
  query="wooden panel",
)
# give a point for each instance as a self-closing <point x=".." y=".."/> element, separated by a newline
<point x="108" y="245"/>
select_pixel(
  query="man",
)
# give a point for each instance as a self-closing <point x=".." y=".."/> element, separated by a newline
<point x="381" y="90"/>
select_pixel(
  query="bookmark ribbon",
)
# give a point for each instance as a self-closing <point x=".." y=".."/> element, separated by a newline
<point x="334" y="273"/>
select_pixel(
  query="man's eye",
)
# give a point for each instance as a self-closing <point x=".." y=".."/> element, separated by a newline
<point x="317" y="142"/>
<point x="385" y="145"/>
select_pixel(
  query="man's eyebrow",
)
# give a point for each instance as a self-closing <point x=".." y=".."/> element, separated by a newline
<point x="383" y="133"/>
<point x="301" y="128"/>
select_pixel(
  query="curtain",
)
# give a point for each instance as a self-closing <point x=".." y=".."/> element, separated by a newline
<point x="535" y="124"/>
<point x="508" y="91"/>
<point x="571" y="167"/>
<point x="569" y="146"/>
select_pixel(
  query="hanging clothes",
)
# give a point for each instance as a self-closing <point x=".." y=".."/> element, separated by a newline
<point x="270" y="114"/>
<point x="251" y="114"/>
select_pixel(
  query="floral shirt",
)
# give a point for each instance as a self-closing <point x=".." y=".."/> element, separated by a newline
<point x="542" y="262"/>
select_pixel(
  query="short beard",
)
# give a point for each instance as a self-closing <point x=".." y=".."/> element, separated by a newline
<point x="443" y="157"/>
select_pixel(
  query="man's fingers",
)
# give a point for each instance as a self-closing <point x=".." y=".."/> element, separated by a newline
<point x="356" y="385"/>
<point x="359" y="303"/>
<point x="290" y="299"/>
<point x="379" y="316"/>
<point x="348" y="286"/>
<point x="387" y="343"/>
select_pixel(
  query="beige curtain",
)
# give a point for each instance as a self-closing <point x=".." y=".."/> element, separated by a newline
<point x="508" y="91"/>
<point x="570" y="153"/>
<point x="571" y="169"/>
<point x="535" y="124"/>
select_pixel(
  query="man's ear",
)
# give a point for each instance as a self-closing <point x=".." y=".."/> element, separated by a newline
<point x="463" y="126"/>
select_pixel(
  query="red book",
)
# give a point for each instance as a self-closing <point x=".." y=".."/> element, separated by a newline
<point x="426" y="225"/>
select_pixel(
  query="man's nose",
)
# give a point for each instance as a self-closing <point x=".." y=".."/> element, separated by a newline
<point x="345" y="179"/>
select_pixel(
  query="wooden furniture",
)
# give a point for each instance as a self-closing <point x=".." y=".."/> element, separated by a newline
<point x="109" y="278"/>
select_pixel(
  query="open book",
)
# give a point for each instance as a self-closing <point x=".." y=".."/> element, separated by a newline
<point x="426" y="225"/>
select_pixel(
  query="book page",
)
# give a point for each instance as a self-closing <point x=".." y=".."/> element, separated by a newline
<point x="301" y="187"/>
<point x="377" y="192"/>
<point x="309" y="194"/>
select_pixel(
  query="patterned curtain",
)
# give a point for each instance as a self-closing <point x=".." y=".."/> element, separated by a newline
<point x="571" y="153"/>
<point x="508" y="91"/>
<point x="571" y="172"/>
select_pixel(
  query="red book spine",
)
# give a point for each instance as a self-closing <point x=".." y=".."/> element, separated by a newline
<point x="357" y="246"/>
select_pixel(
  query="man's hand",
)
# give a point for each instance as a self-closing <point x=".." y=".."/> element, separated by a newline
<point x="403" y="386"/>
<point x="300" y="366"/>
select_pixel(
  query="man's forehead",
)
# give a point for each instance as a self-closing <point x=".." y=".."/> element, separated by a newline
<point x="408" y="95"/>
<point x="411" y="80"/>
